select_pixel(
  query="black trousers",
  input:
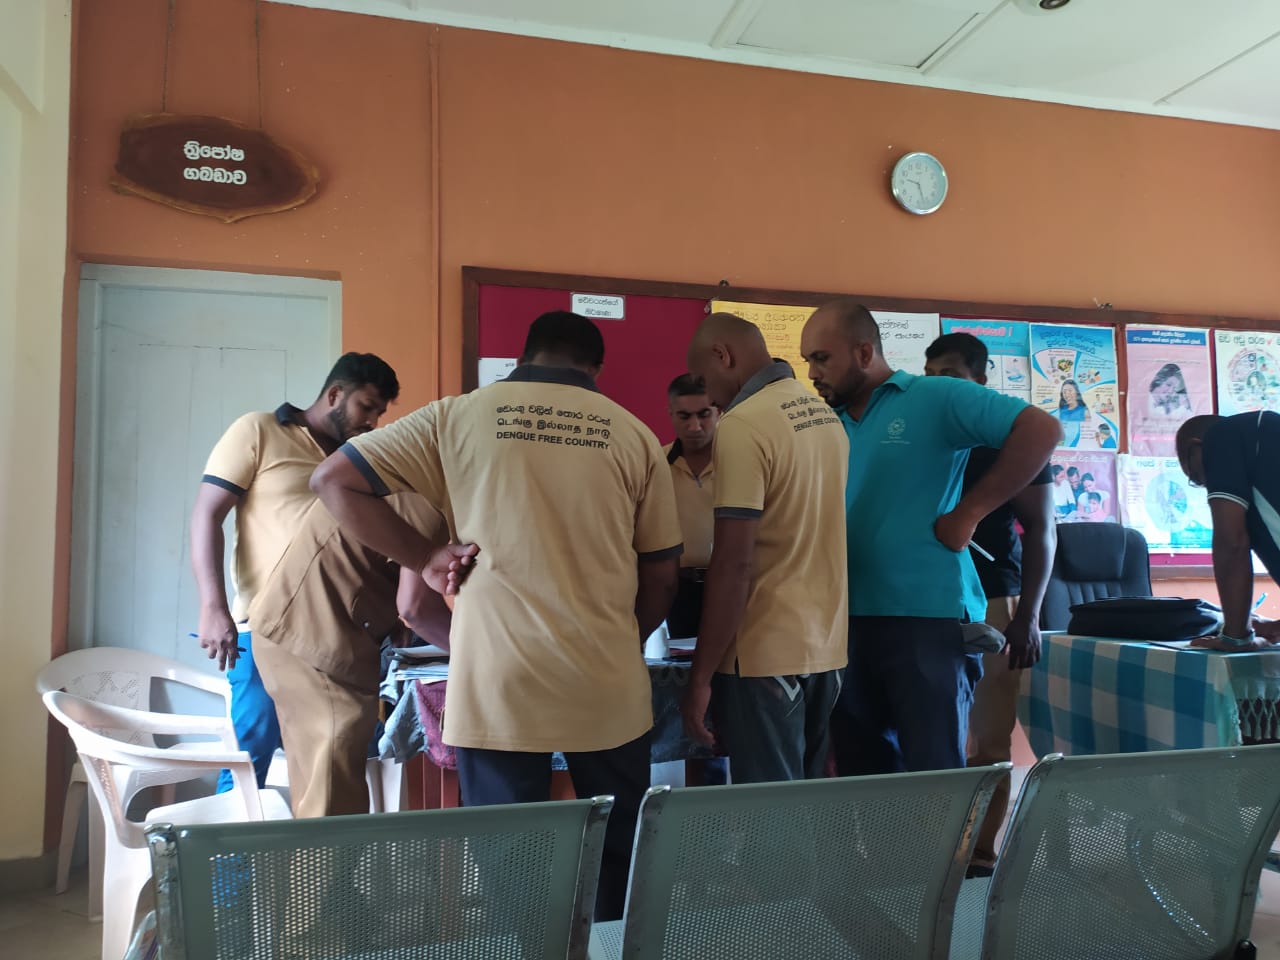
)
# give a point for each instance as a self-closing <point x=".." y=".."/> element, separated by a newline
<point x="906" y="698"/>
<point x="775" y="728"/>
<point x="488" y="777"/>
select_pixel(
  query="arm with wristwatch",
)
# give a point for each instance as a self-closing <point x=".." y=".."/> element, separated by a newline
<point x="1233" y="573"/>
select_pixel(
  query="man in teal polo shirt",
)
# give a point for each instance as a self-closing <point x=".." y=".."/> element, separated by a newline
<point x="905" y="702"/>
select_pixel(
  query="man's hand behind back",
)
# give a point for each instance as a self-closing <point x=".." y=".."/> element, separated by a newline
<point x="448" y="566"/>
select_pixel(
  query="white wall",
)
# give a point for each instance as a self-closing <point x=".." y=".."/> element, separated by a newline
<point x="35" y="83"/>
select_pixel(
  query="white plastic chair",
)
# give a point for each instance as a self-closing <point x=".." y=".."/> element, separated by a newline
<point x="122" y="677"/>
<point x="106" y="738"/>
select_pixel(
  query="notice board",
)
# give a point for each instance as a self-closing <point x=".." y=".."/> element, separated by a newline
<point x="647" y="325"/>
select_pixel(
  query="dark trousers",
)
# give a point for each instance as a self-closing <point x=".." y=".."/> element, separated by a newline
<point x="774" y="728"/>
<point x="906" y="698"/>
<point x="488" y="777"/>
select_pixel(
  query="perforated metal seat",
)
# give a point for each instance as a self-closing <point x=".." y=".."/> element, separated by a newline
<point x="500" y="882"/>
<point x="864" y="867"/>
<point x="1151" y="856"/>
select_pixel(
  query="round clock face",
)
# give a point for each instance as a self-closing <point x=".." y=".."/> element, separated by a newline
<point x="919" y="183"/>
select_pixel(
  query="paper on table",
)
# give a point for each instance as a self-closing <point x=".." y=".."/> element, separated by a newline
<point x="429" y="672"/>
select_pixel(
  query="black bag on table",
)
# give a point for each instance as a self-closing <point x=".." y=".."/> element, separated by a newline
<point x="1166" y="619"/>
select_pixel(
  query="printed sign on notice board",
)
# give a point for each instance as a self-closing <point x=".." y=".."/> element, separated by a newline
<point x="493" y="369"/>
<point x="599" y="306"/>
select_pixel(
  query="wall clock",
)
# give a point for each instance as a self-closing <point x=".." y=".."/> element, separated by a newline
<point x="919" y="183"/>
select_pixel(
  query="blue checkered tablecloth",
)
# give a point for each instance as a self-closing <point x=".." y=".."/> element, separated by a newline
<point x="1090" y="695"/>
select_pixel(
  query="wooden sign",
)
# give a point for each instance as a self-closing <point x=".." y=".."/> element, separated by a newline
<point x="211" y="166"/>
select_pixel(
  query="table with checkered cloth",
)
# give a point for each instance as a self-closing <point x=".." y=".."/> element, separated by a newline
<point x="1091" y="695"/>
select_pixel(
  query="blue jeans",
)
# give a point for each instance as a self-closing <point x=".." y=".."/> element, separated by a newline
<point x="253" y="715"/>
<point x="906" y="697"/>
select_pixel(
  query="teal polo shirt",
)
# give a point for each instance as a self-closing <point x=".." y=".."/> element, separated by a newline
<point x="906" y="467"/>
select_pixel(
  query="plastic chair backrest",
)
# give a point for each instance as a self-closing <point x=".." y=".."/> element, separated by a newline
<point x="516" y="880"/>
<point x="108" y="736"/>
<point x="1137" y="855"/>
<point x="123" y="677"/>
<point x="856" y="867"/>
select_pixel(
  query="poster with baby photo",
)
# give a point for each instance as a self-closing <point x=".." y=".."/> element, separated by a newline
<point x="1084" y="486"/>
<point x="1073" y="377"/>
<point x="1170" y="381"/>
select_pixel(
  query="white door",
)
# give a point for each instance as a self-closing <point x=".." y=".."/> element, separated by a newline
<point x="167" y="359"/>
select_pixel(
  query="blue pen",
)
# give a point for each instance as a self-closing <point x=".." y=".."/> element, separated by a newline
<point x="1259" y="603"/>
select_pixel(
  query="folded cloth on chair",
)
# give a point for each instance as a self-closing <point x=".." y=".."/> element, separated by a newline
<point x="1146" y="618"/>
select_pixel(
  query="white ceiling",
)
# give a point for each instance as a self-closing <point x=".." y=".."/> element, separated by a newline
<point x="1215" y="60"/>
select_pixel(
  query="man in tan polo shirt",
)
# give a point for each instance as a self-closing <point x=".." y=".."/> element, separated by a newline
<point x="318" y="625"/>
<point x="774" y="632"/>
<point x="694" y="418"/>
<point x="261" y="468"/>
<point x="569" y="500"/>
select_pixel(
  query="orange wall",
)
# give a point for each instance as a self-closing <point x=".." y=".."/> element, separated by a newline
<point x="351" y="93"/>
<point x="579" y="159"/>
<point x="567" y="158"/>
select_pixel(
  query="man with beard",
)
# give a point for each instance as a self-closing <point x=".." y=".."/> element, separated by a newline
<point x="907" y="692"/>
<point x="262" y="469"/>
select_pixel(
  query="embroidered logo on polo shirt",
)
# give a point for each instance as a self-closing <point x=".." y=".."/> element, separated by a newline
<point x="895" y="431"/>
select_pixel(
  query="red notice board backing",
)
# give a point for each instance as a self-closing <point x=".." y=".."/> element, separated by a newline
<point x="643" y="351"/>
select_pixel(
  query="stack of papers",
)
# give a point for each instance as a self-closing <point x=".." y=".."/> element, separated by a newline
<point x="425" y="672"/>
<point x="427" y="663"/>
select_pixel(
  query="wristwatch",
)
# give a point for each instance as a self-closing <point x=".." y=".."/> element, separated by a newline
<point x="1244" y="641"/>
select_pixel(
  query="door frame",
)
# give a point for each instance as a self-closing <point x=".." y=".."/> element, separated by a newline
<point x="95" y="279"/>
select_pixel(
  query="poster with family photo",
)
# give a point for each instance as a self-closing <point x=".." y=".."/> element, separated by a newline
<point x="1073" y="377"/>
<point x="1008" y="347"/>
<point x="1084" y="486"/>
<point x="1248" y="371"/>
<point x="1170" y="380"/>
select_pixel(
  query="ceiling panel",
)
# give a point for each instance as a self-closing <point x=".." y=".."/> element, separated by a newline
<point x="670" y="19"/>
<point x="1204" y="59"/>
<point x="1250" y="86"/>
<point x="1136" y="50"/>
<point x="898" y="32"/>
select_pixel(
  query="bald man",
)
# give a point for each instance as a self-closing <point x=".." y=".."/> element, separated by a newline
<point x="772" y="640"/>
<point x="905" y="703"/>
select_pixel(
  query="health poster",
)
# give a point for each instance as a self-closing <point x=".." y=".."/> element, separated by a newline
<point x="1073" y="377"/>
<point x="905" y="337"/>
<point x="1157" y="500"/>
<point x="1084" y="486"/>
<point x="1170" y="380"/>
<point x="781" y="326"/>
<point x="1248" y="371"/>
<point x="1008" y="348"/>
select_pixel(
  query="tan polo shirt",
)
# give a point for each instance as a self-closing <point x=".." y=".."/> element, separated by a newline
<point x="564" y="491"/>
<point x="266" y="459"/>
<point x="781" y="456"/>
<point x="330" y="600"/>
<point x="696" y="505"/>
